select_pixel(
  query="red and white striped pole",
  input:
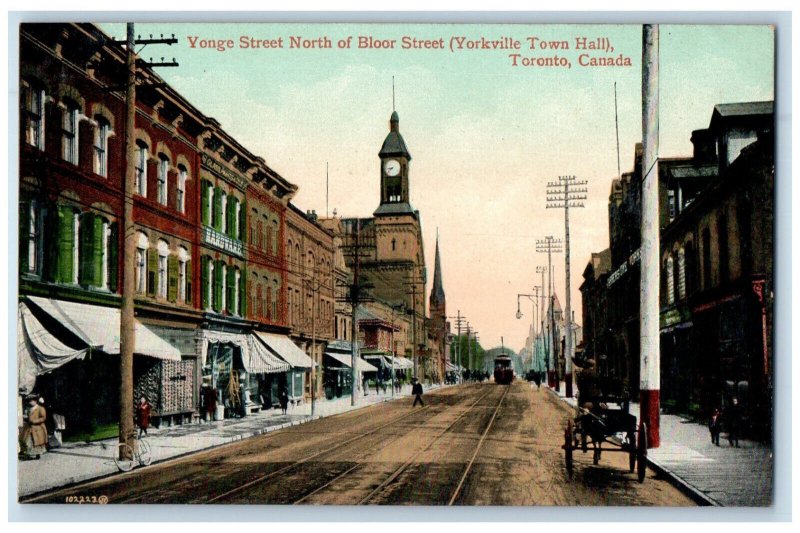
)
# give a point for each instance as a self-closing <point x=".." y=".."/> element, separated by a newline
<point x="649" y="377"/>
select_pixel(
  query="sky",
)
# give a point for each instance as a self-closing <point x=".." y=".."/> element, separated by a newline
<point x="485" y="136"/>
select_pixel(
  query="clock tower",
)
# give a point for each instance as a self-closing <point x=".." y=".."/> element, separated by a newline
<point x="395" y="159"/>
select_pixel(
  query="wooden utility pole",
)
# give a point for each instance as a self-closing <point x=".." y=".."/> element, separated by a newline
<point x="649" y="386"/>
<point x="127" y="332"/>
<point x="549" y="245"/>
<point x="565" y="193"/>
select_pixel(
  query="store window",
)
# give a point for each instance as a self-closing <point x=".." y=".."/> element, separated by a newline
<point x="183" y="270"/>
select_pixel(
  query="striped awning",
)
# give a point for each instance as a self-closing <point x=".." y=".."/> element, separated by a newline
<point x="256" y="358"/>
<point x="346" y="359"/>
<point x="98" y="327"/>
<point x="287" y="350"/>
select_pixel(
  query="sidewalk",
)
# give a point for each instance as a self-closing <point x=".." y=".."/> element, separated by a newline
<point x="716" y="475"/>
<point x="80" y="461"/>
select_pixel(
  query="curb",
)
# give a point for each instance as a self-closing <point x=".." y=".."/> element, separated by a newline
<point x="692" y="492"/>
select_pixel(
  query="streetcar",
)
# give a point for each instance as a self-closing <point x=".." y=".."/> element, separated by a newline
<point x="503" y="370"/>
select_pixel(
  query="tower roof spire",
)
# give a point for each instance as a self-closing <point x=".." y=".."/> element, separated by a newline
<point x="437" y="291"/>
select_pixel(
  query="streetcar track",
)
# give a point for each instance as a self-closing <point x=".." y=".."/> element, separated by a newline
<point x="478" y="447"/>
<point x="309" y="458"/>
<point x="408" y="463"/>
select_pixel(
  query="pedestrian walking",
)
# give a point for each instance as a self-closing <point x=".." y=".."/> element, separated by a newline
<point x="715" y="426"/>
<point x="283" y="398"/>
<point x="733" y="421"/>
<point x="377" y="386"/>
<point x="416" y="390"/>
<point x="34" y="432"/>
<point x="143" y="411"/>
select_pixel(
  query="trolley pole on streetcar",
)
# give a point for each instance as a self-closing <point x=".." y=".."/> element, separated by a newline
<point x="550" y="245"/>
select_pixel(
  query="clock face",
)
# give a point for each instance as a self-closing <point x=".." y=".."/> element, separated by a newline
<point x="392" y="167"/>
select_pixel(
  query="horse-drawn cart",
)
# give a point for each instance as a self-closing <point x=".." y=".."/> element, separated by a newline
<point x="605" y="420"/>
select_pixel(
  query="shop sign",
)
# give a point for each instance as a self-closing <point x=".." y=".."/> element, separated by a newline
<point x="220" y="170"/>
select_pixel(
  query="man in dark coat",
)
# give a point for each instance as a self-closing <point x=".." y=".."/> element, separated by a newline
<point x="733" y="421"/>
<point x="416" y="390"/>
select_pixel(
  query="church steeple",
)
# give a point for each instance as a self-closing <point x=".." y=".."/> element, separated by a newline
<point x="437" y="291"/>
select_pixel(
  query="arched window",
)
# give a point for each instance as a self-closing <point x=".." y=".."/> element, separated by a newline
<point x="142" y="246"/>
<point x="180" y="199"/>
<point x="69" y="132"/>
<point x="669" y="274"/>
<point x="184" y="274"/>
<point x="161" y="184"/>
<point x="141" y="168"/>
<point x="33" y="113"/>
<point x="161" y="282"/>
<point x="101" y="134"/>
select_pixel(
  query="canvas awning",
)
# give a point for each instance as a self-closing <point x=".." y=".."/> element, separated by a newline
<point x="38" y="351"/>
<point x="255" y="356"/>
<point x="98" y="327"/>
<point x="404" y="363"/>
<point x="346" y="358"/>
<point x="287" y="350"/>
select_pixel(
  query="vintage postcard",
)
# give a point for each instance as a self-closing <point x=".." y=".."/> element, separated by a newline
<point x="396" y="264"/>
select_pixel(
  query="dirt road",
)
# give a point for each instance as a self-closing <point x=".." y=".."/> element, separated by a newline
<point x="478" y="444"/>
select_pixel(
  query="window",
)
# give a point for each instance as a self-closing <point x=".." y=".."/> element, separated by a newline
<point x="222" y="276"/>
<point x="140" y="269"/>
<point x="69" y="133"/>
<point x="163" y="254"/>
<point x="237" y="213"/>
<point x="210" y="283"/>
<point x="161" y="187"/>
<point x="141" y="168"/>
<point x="101" y="134"/>
<point x="76" y="246"/>
<point x="105" y="236"/>
<point x="183" y="279"/>
<point x="681" y="274"/>
<point x="275" y="238"/>
<point x="223" y="205"/>
<point x="30" y="237"/>
<point x="180" y="200"/>
<point x="33" y="113"/>
<point x="235" y="305"/>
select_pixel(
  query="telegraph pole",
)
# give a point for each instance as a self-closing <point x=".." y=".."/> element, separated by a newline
<point x="549" y="245"/>
<point x="413" y="282"/>
<point x="541" y="270"/>
<point x="649" y="386"/>
<point x="460" y="320"/>
<point x="355" y="246"/>
<point x="572" y="195"/>
<point x="127" y="333"/>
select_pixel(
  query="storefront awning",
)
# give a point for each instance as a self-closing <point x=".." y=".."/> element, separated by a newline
<point x="98" y="327"/>
<point x="255" y="356"/>
<point x="287" y="350"/>
<point x="38" y="351"/>
<point x="346" y="359"/>
<point x="404" y="363"/>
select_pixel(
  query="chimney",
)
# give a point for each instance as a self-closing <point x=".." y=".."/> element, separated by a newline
<point x="705" y="146"/>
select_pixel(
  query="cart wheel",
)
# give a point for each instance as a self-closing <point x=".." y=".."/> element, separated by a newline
<point x="145" y="456"/>
<point x="641" y="456"/>
<point x="123" y="457"/>
<point x="631" y="450"/>
<point x="568" y="448"/>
